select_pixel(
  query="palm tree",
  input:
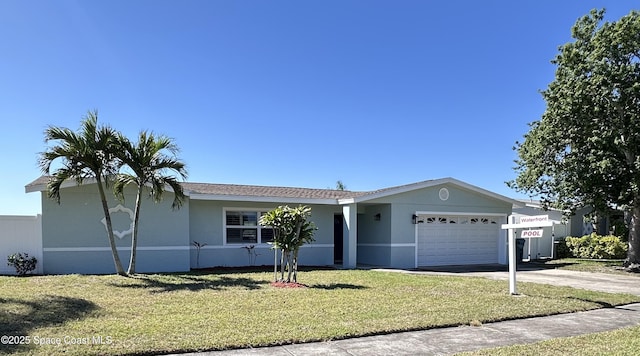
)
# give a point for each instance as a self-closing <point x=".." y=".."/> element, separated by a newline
<point x="87" y="153"/>
<point x="148" y="165"/>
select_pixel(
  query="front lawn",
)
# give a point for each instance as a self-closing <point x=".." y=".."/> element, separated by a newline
<point x="618" y="342"/>
<point x="584" y="265"/>
<point x="204" y="311"/>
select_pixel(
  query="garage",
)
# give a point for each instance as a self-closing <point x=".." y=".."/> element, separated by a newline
<point x="457" y="240"/>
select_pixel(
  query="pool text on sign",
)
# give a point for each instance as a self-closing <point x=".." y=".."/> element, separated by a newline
<point x="531" y="233"/>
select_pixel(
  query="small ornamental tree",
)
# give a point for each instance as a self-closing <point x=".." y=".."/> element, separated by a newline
<point x="291" y="230"/>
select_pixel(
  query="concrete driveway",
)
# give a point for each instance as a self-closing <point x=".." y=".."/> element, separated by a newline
<point x="604" y="282"/>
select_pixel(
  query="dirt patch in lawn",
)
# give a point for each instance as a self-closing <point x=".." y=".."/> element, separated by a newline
<point x="288" y="285"/>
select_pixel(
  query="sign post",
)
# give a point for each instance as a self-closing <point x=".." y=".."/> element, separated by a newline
<point x="526" y="222"/>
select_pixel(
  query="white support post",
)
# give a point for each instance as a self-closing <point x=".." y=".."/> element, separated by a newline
<point x="350" y="243"/>
<point x="512" y="258"/>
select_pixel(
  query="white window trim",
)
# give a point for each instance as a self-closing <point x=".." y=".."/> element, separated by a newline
<point x="258" y="226"/>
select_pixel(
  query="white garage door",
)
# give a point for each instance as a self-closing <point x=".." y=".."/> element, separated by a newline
<point x="457" y="240"/>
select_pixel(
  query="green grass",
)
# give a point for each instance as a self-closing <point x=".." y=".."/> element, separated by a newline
<point x="583" y="265"/>
<point x="200" y="311"/>
<point x="619" y="342"/>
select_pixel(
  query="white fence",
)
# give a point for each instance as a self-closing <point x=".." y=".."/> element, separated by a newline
<point x="20" y="234"/>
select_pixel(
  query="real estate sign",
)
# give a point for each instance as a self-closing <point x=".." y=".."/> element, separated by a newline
<point x="525" y="222"/>
<point x="534" y="219"/>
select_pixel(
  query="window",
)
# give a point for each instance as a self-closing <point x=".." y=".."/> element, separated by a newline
<point x="242" y="227"/>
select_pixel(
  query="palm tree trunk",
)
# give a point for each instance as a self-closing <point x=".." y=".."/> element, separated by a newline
<point x="134" y="235"/>
<point x="112" y="240"/>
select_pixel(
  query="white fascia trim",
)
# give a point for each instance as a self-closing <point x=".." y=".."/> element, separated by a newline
<point x="101" y="249"/>
<point x="248" y="198"/>
<point x="427" y="184"/>
<point x="389" y="245"/>
<point x="66" y="184"/>
<point x="398" y="190"/>
<point x="403" y="189"/>
<point x="459" y="213"/>
<point x="72" y="183"/>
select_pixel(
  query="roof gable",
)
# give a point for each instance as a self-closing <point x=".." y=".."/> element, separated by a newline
<point x="382" y="193"/>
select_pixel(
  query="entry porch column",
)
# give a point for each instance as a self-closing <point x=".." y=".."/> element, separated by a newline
<point x="350" y="233"/>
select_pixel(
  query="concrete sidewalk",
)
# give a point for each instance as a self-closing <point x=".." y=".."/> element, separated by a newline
<point x="446" y="341"/>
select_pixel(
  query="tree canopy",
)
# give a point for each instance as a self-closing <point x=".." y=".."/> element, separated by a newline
<point x="291" y="230"/>
<point x="83" y="154"/>
<point x="585" y="150"/>
<point x="104" y="154"/>
<point x="149" y="164"/>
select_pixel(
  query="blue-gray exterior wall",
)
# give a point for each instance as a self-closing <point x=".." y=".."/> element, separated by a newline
<point x="374" y="236"/>
<point x="75" y="240"/>
<point x="398" y="250"/>
<point x="207" y="227"/>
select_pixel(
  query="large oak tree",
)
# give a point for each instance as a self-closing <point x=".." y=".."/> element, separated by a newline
<point x="585" y="150"/>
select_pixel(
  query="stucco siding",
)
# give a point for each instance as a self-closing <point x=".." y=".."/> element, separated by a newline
<point x="371" y="230"/>
<point x="374" y="255"/>
<point x="73" y="231"/>
<point x="460" y="201"/>
<point x="101" y="262"/>
<point x="403" y="256"/>
<point x="232" y="256"/>
<point x="207" y="226"/>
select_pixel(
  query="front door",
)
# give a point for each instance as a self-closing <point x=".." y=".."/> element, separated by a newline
<point x="337" y="238"/>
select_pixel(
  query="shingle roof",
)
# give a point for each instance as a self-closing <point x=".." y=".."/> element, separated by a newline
<point x="267" y="191"/>
<point x="242" y="190"/>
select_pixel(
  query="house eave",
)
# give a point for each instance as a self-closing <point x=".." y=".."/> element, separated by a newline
<point x="428" y="184"/>
<point x="249" y="198"/>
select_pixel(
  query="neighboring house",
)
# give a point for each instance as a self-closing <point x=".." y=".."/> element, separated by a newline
<point x="542" y="247"/>
<point x="435" y="222"/>
<point x="578" y="224"/>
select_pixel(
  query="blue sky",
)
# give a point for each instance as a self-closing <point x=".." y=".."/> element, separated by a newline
<point x="287" y="93"/>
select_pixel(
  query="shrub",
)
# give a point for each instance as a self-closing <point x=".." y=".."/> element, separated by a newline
<point x="22" y="263"/>
<point x="597" y="247"/>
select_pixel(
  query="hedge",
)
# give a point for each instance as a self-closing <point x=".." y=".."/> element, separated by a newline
<point x="597" y="247"/>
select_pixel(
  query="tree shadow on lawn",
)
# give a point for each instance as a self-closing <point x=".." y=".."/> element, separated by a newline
<point x="19" y="317"/>
<point x="194" y="282"/>
<point x="520" y="266"/>
<point x="601" y="303"/>
<point x="334" y="286"/>
<point x="256" y="269"/>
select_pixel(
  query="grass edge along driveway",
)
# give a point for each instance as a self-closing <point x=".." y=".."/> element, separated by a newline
<point x="181" y="312"/>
